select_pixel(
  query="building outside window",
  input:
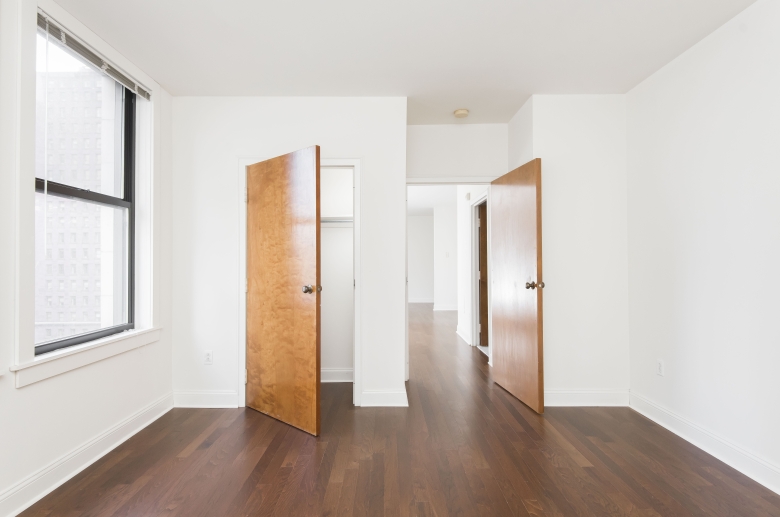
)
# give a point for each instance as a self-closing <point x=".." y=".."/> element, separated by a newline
<point x="79" y="106"/>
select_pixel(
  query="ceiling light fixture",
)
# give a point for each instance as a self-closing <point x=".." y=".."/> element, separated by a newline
<point x="461" y="113"/>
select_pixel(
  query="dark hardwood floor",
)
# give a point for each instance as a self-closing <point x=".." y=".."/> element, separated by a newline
<point x="463" y="447"/>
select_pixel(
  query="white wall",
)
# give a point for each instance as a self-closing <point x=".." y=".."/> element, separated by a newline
<point x="337" y="192"/>
<point x="520" y="138"/>
<point x="419" y="244"/>
<point x="445" y="253"/>
<point x="465" y="255"/>
<point x="704" y="247"/>
<point x="456" y="150"/>
<point x="581" y="140"/>
<point x="211" y="134"/>
<point x="55" y="427"/>
<point x="337" y="301"/>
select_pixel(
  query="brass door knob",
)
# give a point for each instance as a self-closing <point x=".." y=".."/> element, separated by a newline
<point x="308" y="289"/>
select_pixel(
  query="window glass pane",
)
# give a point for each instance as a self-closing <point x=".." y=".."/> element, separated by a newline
<point x="85" y="291"/>
<point x="78" y="122"/>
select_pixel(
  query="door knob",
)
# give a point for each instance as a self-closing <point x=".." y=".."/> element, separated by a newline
<point x="530" y="285"/>
<point x="541" y="285"/>
<point x="308" y="289"/>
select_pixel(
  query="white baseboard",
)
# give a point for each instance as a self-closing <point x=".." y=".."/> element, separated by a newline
<point x="336" y="375"/>
<point x="463" y="336"/>
<point x="582" y="398"/>
<point x="420" y="301"/>
<point x="38" y="484"/>
<point x="749" y="464"/>
<point x="205" y="399"/>
<point x="444" y="307"/>
<point x="384" y="399"/>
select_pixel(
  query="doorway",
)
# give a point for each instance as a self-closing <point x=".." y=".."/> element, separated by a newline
<point x="337" y="270"/>
<point x="345" y="232"/>
<point x="513" y="265"/>
<point x="443" y="256"/>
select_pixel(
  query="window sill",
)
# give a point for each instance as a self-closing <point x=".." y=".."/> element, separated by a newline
<point x="67" y="359"/>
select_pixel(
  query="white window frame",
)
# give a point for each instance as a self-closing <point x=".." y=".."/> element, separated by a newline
<point x="18" y="30"/>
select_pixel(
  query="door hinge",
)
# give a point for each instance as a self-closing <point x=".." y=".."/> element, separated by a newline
<point x="246" y="375"/>
<point x="246" y="285"/>
<point x="479" y="223"/>
<point x="479" y="327"/>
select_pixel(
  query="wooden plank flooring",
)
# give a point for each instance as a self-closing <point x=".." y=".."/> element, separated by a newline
<point x="464" y="447"/>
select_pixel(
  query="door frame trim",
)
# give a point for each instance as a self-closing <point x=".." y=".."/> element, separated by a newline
<point x="352" y="163"/>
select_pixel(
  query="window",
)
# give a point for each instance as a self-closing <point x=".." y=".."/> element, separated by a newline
<point x="61" y="195"/>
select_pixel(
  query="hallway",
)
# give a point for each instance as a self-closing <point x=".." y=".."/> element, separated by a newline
<point x="463" y="447"/>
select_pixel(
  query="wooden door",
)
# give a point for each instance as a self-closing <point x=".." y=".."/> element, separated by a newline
<point x="483" y="274"/>
<point x="283" y="298"/>
<point x="516" y="256"/>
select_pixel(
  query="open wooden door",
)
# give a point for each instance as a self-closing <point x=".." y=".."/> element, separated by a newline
<point x="516" y="255"/>
<point x="283" y="288"/>
<point x="483" y="274"/>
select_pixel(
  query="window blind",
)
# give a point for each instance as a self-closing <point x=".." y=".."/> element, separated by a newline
<point x="71" y="43"/>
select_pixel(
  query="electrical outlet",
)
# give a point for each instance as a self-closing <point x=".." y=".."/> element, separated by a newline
<point x="659" y="368"/>
<point x="208" y="357"/>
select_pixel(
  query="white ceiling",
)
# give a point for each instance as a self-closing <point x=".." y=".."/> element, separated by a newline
<point x="421" y="199"/>
<point x="485" y="55"/>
